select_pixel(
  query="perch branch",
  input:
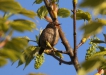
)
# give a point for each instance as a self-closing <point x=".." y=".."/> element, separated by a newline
<point x="62" y="36"/>
<point x="61" y="60"/>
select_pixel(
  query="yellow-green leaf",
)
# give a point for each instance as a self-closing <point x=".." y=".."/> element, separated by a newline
<point x="102" y="48"/>
<point x="90" y="65"/>
<point x="3" y="61"/>
<point x="17" y="44"/>
<point x="28" y="13"/>
<point x="97" y="41"/>
<point x="38" y="1"/>
<point x="22" y="25"/>
<point x="92" y="28"/>
<point x="59" y="54"/>
<point x="63" y="12"/>
<point x="4" y="25"/>
<point x="80" y="14"/>
<point x="91" y="3"/>
<point x="10" y="6"/>
<point x="10" y="54"/>
<point x="41" y="12"/>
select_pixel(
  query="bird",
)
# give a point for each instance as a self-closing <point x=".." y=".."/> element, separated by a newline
<point x="49" y="34"/>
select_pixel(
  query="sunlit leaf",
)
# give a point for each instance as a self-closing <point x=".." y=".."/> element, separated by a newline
<point x="100" y="53"/>
<point x="92" y="28"/>
<point x="38" y="1"/>
<point x="28" y="54"/>
<point x="3" y="61"/>
<point x="102" y="48"/>
<point x="10" y="6"/>
<point x="81" y="15"/>
<point x="41" y="12"/>
<point x="100" y="9"/>
<point x="16" y="44"/>
<point x="91" y="3"/>
<point x="7" y="15"/>
<point x="97" y="41"/>
<point x="10" y="54"/>
<point x="4" y="25"/>
<point x="59" y="54"/>
<point x="63" y="12"/>
<point x="22" y="25"/>
<point x="28" y="13"/>
<point x="90" y="65"/>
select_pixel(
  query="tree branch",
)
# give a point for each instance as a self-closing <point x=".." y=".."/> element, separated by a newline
<point x="61" y="60"/>
<point x="63" y="38"/>
<point x="49" y="10"/>
<point x="75" y="60"/>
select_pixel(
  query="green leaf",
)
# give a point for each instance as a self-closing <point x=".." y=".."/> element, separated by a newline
<point x="10" y="54"/>
<point x="104" y="37"/>
<point x="10" y="6"/>
<point x="97" y="41"/>
<point x="98" y="54"/>
<point x="37" y="39"/>
<point x="3" y="61"/>
<point x="102" y="48"/>
<point x="17" y="44"/>
<point x="80" y="14"/>
<point x="59" y="54"/>
<point x="38" y="1"/>
<point x="28" y="13"/>
<point x="39" y="60"/>
<point x="22" y="25"/>
<point x="41" y="12"/>
<point x="28" y="55"/>
<point x="91" y="3"/>
<point x="92" y="28"/>
<point x="4" y="25"/>
<point x="63" y="12"/>
<point x="90" y="65"/>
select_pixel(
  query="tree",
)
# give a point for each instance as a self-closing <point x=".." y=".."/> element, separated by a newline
<point x="18" y="49"/>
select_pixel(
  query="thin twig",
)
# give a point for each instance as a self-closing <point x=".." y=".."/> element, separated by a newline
<point x="80" y="44"/>
<point x="32" y="40"/>
<point x="61" y="60"/>
<point x="75" y="60"/>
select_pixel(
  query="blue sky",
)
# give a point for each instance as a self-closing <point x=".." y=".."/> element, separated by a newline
<point x="50" y="66"/>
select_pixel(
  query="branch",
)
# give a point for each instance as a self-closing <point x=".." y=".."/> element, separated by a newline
<point x="61" y="60"/>
<point x="62" y="36"/>
<point x="49" y="10"/>
<point x="80" y="44"/>
<point x="65" y="42"/>
<point x="75" y="60"/>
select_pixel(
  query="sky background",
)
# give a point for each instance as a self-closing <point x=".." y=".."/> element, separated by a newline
<point x="50" y="66"/>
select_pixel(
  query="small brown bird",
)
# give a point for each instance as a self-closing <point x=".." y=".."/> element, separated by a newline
<point x="50" y="34"/>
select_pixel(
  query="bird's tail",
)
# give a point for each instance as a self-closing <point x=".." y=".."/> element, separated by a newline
<point x="41" y="50"/>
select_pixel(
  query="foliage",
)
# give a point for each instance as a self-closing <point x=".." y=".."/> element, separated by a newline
<point x="12" y="47"/>
<point x="63" y="12"/>
<point x="17" y="48"/>
<point x="81" y="15"/>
